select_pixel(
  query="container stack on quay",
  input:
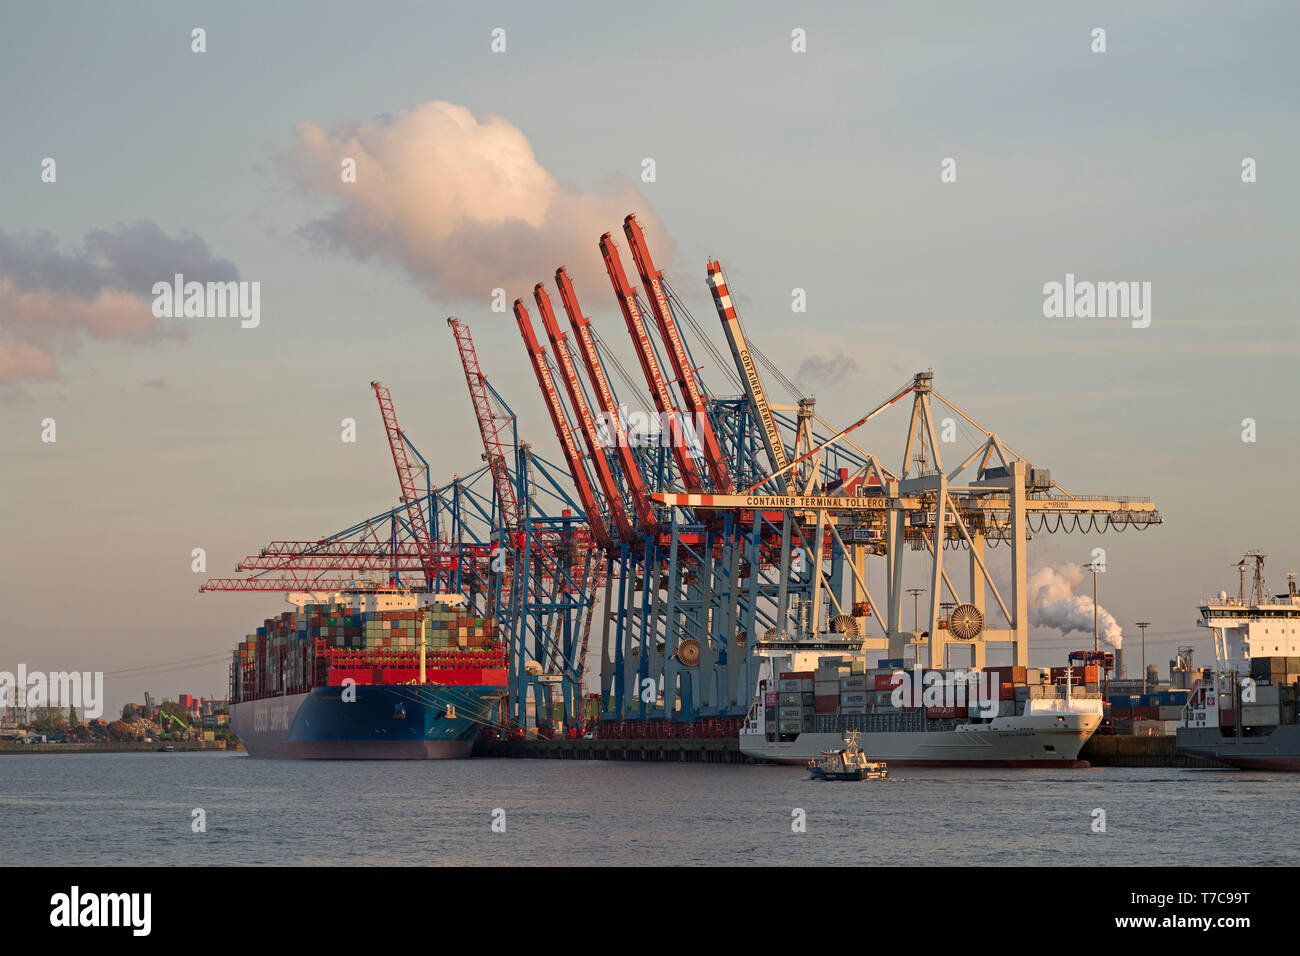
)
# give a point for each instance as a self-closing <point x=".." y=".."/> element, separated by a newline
<point x="327" y="643"/>
<point x="1147" y="715"/>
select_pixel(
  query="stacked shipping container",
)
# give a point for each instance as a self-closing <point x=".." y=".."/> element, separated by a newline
<point x="321" y="643"/>
<point x="845" y="688"/>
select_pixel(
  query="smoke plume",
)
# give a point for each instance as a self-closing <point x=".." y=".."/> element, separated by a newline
<point x="1056" y="602"/>
<point x="461" y="204"/>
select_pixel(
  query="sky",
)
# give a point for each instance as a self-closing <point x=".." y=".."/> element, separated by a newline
<point x="815" y="170"/>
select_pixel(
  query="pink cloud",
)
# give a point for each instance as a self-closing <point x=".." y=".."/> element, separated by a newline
<point x="462" y="204"/>
<point x="52" y="299"/>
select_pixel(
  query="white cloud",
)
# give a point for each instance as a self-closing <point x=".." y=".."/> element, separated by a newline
<point x="461" y="203"/>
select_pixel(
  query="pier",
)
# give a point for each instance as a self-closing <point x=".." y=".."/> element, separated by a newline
<point x="1107" y="751"/>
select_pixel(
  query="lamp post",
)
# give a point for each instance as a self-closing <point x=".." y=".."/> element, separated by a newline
<point x="1144" y="625"/>
<point x="1096" y="636"/>
<point x="916" y="615"/>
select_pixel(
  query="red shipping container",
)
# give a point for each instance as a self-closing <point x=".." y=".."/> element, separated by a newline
<point x="826" y="703"/>
<point x="1006" y="691"/>
<point x="888" y="681"/>
<point x="797" y="675"/>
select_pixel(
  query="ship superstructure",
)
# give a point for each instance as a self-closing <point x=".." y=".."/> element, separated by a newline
<point x="1253" y="624"/>
<point x="1243" y="712"/>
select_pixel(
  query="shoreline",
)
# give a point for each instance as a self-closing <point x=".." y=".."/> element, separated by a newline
<point x="135" y="746"/>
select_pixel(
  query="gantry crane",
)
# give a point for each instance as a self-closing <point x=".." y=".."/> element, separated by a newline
<point x="700" y="579"/>
<point x="935" y="511"/>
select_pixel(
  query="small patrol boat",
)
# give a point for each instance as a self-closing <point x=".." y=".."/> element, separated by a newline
<point x="850" y="763"/>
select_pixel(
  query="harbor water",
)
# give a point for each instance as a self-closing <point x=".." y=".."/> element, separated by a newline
<point x="139" y="808"/>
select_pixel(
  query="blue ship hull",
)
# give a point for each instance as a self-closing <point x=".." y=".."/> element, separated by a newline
<point x="383" y="722"/>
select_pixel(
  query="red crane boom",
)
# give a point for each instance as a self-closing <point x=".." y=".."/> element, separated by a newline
<point x="406" y="479"/>
<point x="495" y="445"/>
<point x="322" y="585"/>
<point x="654" y="376"/>
<point x="569" y="373"/>
<point x="605" y="396"/>
<point x="572" y="456"/>
<point x="672" y="337"/>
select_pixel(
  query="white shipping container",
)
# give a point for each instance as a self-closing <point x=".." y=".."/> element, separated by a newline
<point x="1259" y="715"/>
<point x="1266" y="694"/>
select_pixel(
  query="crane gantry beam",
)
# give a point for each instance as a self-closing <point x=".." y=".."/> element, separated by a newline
<point x="981" y="499"/>
<point x="287" y="585"/>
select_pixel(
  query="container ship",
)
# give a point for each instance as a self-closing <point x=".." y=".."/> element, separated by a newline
<point x="1243" y="712"/>
<point x="369" y="674"/>
<point x="813" y="695"/>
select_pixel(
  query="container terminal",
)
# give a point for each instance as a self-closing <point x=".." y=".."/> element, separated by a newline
<point x="740" y="561"/>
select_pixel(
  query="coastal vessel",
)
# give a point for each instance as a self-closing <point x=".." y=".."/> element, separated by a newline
<point x="814" y="691"/>
<point x="370" y="673"/>
<point x="847" y="763"/>
<point x="1243" y="712"/>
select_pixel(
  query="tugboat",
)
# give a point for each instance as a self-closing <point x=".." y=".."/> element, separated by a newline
<point x="850" y="763"/>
